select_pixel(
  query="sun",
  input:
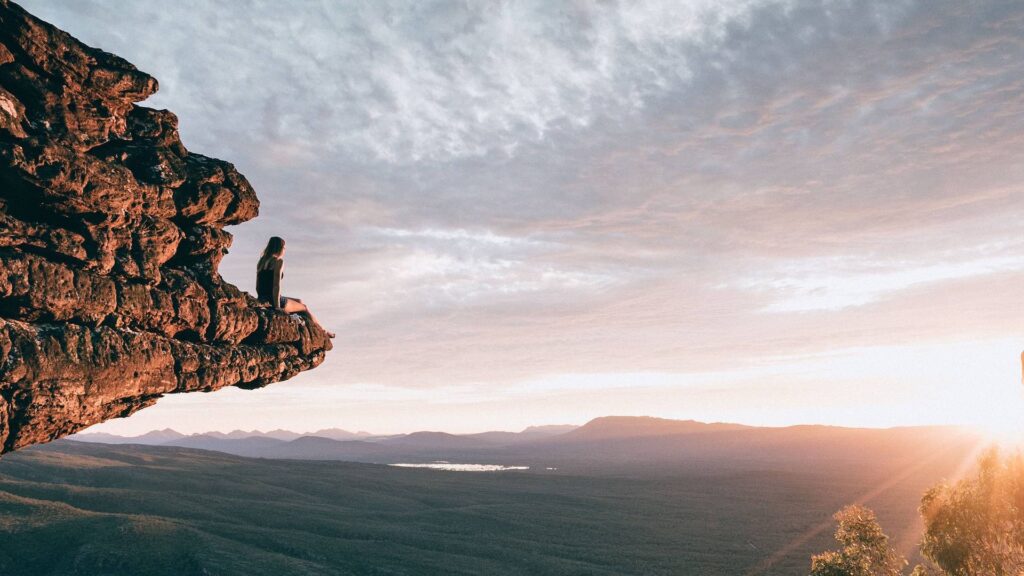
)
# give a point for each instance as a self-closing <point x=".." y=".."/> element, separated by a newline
<point x="976" y="384"/>
<point x="1007" y="435"/>
<point x="1003" y="420"/>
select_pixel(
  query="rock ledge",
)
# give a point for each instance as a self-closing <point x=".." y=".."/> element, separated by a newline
<point x="110" y="237"/>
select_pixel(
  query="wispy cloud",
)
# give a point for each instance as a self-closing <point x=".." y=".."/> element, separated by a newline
<point x="828" y="284"/>
<point x="401" y="81"/>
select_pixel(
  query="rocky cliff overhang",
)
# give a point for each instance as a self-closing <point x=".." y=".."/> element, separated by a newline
<point x="110" y="237"/>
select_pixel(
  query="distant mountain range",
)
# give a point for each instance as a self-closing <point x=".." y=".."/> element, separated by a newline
<point x="330" y="443"/>
<point x="171" y="437"/>
<point x="613" y="442"/>
<point x="607" y="427"/>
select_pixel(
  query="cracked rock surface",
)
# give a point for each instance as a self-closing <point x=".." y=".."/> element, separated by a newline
<point x="110" y="237"/>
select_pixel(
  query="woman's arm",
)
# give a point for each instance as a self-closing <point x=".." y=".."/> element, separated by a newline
<point x="278" y="264"/>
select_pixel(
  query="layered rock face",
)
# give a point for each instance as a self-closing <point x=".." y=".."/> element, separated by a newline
<point x="110" y="237"/>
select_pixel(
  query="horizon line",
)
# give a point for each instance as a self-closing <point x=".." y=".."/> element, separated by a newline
<point x="376" y="434"/>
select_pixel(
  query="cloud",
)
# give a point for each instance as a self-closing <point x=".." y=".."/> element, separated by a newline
<point x="824" y="284"/>
<point x="405" y="82"/>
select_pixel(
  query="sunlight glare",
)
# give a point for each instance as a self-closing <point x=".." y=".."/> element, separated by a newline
<point x="1003" y="421"/>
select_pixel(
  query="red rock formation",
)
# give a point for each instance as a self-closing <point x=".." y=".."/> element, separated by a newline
<point x="110" y="237"/>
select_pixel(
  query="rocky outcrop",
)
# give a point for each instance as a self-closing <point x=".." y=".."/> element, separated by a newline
<point x="110" y="237"/>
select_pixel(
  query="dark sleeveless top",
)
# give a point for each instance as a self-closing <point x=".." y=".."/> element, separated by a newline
<point x="268" y="283"/>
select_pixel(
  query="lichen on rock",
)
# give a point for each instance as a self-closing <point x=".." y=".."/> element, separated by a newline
<point x="111" y="233"/>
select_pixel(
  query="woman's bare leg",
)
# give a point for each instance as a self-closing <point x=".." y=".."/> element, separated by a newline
<point x="295" y="306"/>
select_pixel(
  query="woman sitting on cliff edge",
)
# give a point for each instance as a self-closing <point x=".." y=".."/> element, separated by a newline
<point x="269" y="271"/>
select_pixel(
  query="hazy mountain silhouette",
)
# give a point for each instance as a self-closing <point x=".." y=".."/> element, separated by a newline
<point x="439" y="441"/>
<point x="153" y="438"/>
<point x="246" y="446"/>
<point x="612" y="444"/>
<point x="609" y="427"/>
<point x="339" y="434"/>
<point x="228" y="441"/>
<point x="530" y="433"/>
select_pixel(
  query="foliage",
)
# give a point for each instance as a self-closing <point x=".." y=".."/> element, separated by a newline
<point x="865" y="548"/>
<point x="976" y="526"/>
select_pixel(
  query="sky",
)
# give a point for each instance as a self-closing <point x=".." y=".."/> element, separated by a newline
<point x="519" y="213"/>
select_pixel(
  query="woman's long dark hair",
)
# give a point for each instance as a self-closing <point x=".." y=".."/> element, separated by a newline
<point x="273" y="250"/>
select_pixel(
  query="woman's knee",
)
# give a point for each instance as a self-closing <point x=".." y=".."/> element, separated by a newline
<point x="294" y="305"/>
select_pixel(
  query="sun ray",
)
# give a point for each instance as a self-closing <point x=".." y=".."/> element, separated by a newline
<point x="910" y="538"/>
<point x="764" y="565"/>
